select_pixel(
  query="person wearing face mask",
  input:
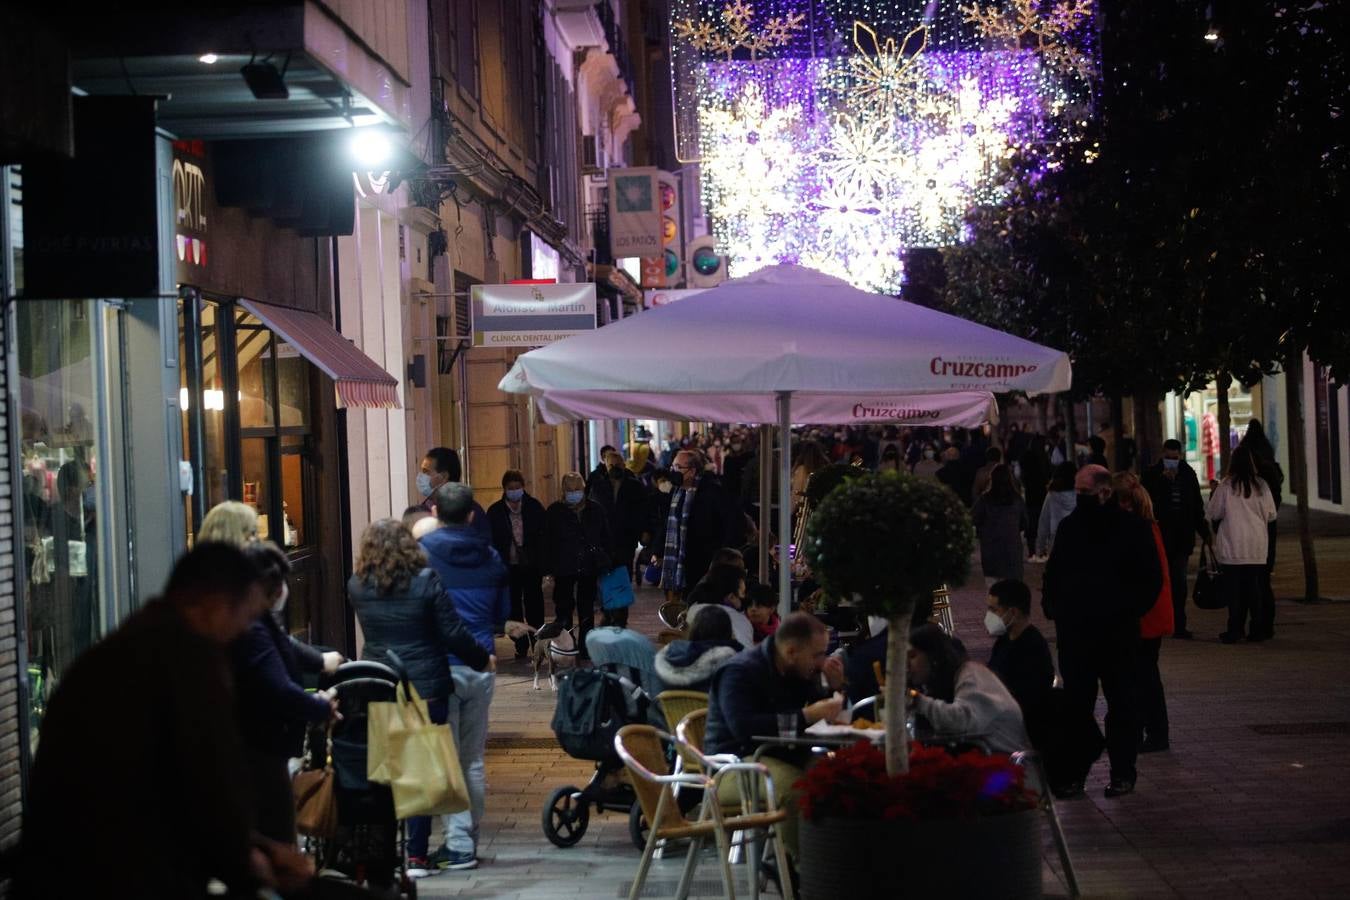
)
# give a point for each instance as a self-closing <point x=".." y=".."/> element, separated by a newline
<point x="1174" y="488"/>
<point x="624" y="501"/>
<point x="576" y="551"/>
<point x="271" y="704"/>
<point x="517" y="521"/>
<point x="441" y="466"/>
<point x="1103" y="575"/>
<point x="702" y="519"/>
<point x="928" y="465"/>
<point x="1021" y="656"/>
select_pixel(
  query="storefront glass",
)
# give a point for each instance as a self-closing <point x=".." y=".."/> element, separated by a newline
<point x="60" y="393"/>
<point x="1199" y="436"/>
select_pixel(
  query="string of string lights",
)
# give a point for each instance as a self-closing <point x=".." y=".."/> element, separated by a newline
<point x="840" y="134"/>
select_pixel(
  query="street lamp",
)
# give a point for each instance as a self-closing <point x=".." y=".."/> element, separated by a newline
<point x="371" y="148"/>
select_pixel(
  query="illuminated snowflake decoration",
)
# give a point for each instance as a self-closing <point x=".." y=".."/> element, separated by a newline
<point x="887" y="80"/>
<point x="737" y="31"/>
<point x="843" y="160"/>
<point x="1044" y="26"/>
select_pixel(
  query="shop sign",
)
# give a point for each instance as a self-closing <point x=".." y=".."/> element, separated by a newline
<point x="91" y="223"/>
<point x="189" y="209"/>
<point x="530" y="315"/>
<point x="634" y="212"/>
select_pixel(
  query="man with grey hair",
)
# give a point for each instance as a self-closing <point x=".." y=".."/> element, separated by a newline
<point x="1104" y="573"/>
<point x="476" y="579"/>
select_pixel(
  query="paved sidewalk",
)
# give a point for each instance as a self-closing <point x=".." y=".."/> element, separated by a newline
<point x="1250" y="801"/>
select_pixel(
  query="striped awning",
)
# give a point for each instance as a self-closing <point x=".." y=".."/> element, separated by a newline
<point x="361" y="382"/>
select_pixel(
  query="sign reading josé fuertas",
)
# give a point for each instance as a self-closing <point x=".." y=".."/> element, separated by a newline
<point x="530" y="315"/>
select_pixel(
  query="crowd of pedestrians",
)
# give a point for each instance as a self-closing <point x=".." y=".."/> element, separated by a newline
<point x="434" y="590"/>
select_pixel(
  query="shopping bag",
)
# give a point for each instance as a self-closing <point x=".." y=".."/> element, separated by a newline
<point x="316" y="812"/>
<point x="427" y="778"/>
<point x="382" y="719"/>
<point x="1210" y="591"/>
<point x="616" y="591"/>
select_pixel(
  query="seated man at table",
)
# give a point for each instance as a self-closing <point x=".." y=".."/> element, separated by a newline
<point x="782" y="674"/>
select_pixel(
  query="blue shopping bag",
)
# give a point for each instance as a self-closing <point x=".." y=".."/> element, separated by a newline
<point x="616" y="591"/>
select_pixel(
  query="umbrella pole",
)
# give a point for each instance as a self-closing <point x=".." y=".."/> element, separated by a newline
<point x="765" y="494"/>
<point x="784" y="502"/>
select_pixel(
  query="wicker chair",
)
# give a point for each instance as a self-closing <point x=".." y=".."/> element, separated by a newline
<point x="641" y="748"/>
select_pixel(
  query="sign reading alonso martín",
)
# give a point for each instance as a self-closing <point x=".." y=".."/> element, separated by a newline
<point x="530" y="315"/>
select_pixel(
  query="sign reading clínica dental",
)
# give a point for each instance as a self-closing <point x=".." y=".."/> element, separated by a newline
<point x="530" y="315"/>
<point x="635" y="212"/>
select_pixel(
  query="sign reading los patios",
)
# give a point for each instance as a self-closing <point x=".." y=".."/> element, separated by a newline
<point x="530" y="315"/>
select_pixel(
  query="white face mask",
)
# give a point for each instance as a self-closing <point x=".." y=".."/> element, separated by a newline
<point x="993" y="624"/>
<point x="876" y="625"/>
<point x="285" y="594"/>
<point x="665" y="487"/>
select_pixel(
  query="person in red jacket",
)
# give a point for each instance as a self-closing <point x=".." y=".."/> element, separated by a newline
<point x="1155" y="625"/>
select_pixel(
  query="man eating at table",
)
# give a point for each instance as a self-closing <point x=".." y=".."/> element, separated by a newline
<point x="780" y="676"/>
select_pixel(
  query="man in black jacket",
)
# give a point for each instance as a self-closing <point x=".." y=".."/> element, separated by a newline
<point x="708" y="518"/>
<point x="139" y="742"/>
<point x="624" y="500"/>
<point x="1102" y="576"/>
<point x="518" y="536"/>
<point x="780" y="676"/>
<point x="1174" y="488"/>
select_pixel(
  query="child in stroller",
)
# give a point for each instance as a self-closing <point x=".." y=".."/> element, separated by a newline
<point x="369" y="844"/>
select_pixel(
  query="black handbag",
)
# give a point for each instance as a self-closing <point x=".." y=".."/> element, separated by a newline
<point x="1210" y="591"/>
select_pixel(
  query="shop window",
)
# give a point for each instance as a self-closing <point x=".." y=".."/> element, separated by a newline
<point x="257" y="372"/>
<point x="60" y="395"/>
<point x="201" y="397"/>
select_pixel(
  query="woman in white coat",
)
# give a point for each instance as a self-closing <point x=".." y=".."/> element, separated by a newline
<point x="1242" y="505"/>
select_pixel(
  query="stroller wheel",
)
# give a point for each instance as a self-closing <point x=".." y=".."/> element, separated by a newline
<point x="637" y="826"/>
<point x="565" y="820"/>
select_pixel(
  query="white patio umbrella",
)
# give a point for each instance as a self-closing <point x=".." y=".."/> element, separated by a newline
<point x="786" y="343"/>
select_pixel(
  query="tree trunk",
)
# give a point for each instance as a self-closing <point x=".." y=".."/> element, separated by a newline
<point x="1223" y="382"/>
<point x="897" y="671"/>
<point x="1070" y="429"/>
<point x="1298" y="471"/>
<point x="1117" y="431"/>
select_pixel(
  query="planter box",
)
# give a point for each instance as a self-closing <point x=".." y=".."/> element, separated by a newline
<point x="989" y="857"/>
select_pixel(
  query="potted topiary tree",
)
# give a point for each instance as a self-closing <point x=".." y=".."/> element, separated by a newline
<point x="888" y="541"/>
<point x="966" y="824"/>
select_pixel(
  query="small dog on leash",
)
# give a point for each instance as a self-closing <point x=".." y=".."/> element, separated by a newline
<point x="553" y="646"/>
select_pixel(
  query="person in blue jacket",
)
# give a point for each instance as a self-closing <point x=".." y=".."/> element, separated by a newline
<point x="476" y="578"/>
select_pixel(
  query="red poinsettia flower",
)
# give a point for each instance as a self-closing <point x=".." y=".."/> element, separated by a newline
<point x="853" y="783"/>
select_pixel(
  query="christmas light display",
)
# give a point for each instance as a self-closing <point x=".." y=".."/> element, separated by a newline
<point x="838" y="135"/>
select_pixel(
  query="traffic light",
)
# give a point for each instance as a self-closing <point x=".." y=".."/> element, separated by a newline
<point x="707" y="267"/>
<point x="672" y="237"/>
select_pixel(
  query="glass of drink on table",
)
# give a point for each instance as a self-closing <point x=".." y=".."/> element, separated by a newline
<point x="787" y="724"/>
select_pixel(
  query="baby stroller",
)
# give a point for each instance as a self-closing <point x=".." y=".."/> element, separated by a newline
<point x="368" y="846"/>
<point x="593" y="704"/>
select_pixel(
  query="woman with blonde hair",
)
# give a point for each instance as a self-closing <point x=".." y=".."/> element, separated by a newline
<point x="1156" y="624"/>
<point x="230" y="522"/>
<point x="403" y="607"/>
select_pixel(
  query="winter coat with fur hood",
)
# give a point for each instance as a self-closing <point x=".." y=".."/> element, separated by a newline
<point x="689" y="665"/>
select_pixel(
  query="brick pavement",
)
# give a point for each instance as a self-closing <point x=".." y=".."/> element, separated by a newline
<point x="1243" y="804"/>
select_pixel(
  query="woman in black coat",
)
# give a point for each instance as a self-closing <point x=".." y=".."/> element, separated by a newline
<point x="577" y="551"/>
<point x="273" y="708"/>
<point x="403" y="607"/>
<point x="518" y="527"/>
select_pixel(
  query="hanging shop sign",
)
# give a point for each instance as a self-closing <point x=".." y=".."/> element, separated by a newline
<point x="635" y="226"/>
<point x="190" y="194"/>
<point x="530" y="315"/>
<point x="92" y="228"/>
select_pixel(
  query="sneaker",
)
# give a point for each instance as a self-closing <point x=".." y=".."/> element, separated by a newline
<point x="444" y="859"/>
<point x="1119" y="788"/>
<point x="420" y="867"/>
